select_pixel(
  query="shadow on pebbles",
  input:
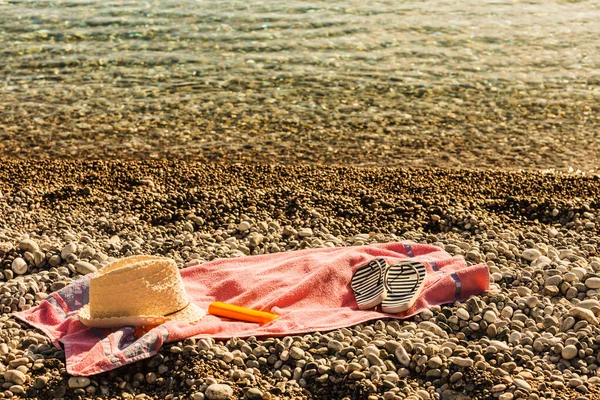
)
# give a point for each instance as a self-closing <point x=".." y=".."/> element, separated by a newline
<point x="535" y="335"/>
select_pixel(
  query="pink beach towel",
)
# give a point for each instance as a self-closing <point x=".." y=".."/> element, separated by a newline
<point x="309" y="289"/>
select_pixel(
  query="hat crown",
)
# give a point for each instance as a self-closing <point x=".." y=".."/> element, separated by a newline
<point x="137" y="286"/>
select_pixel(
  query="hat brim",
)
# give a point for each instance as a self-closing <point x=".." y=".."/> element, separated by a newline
<point x="192" y="313"/>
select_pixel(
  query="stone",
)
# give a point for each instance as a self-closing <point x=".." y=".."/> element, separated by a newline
<point x="305" y="232"/>
<point x="569" y="352"/>
<point x="15" y="376"/>
<point x="461" y="362"/>
<point x="435" y="362"/>
<point x="40" y="382"/>
<point x="357" y="375"/>
<point x="243" y="226"/>
<point x="218" y="391"/>
<point x="554" y="280"/>
<point x="296" y="353"/>
<point x="254" y="394"/>
<point x="77" y="382"/>
<point x="335" y="345"/>
<point x="19" y="266"/>
<point x="431" y="327"/>
<point x="490" y="316"/>
<point x="521" y="384"/>
<point x="463" y="314"/>
<point x="255" y="239"/>
<point x="531" y="254"/>
<point x="592" y="283"/>
<point x="584" y="314"/>
<point x="402" y="356"/>
<point x="84" y="268"/>
<point x="68" y="250"/>
<point x="17" y="389"/>
<point x="29" y="245"/>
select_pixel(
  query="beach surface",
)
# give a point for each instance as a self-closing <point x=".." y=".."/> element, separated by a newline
<point x="205" y="130"/>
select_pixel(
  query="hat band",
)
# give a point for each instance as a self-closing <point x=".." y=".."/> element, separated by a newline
<point x="175" y="312"/>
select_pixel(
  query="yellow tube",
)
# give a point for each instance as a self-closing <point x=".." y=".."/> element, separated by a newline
<point x="240" y="313"/>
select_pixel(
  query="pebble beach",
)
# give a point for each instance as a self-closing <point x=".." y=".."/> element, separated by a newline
<point x="197" y="133"/>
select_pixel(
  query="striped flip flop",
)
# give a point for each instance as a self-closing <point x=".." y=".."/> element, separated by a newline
<point x="403" y="283"/>
<point x="367" y="284"/>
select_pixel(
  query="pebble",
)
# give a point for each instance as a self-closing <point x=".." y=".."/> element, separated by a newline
<point x="15" y="376"/>
<point x="254" y="394"/>
<point x="84" y="268"/>
<point x="305" y="232"/>
<point x="218" y="391"/>
<point x="569" y="352"/>
<point x="584" y="314"/>
<point x="17" y="389"/>
<point x="537" y="322"/>
<point x="592" y="283"/>
<point x="40" y="382"/>
<point x="402" y="356"/>
<point x="431" y="327"/>
<point x="461" y="362"/>
<point x="244" y="226"/>
<point x="521" y="384"/>
<point x="19" y="266"/>
<point x="29" y="245"/>
<point x="78" y="382"/>
<point x="68" y="250"/>
<point x="531" y="254"/>
<point x="296" y="353"/>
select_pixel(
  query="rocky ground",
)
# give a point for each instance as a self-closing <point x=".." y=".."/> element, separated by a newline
<point x="310" y="125"/>
<point x="535" y="335"/>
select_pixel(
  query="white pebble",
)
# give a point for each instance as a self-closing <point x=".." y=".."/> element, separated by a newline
<point x="68" y="250"/>
<point x="19" y="266"/>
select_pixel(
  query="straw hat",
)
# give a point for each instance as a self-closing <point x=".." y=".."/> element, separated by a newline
<point x="137" y="291"/>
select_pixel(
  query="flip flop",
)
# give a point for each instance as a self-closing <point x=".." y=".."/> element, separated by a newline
<point x="367" y="284"/>
<point x="403" y="283"/>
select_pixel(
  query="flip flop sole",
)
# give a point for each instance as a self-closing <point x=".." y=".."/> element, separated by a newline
<point x="403" y="282"/>
<point x="367" y="284"/>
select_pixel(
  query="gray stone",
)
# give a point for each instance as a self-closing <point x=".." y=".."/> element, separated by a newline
<point x="78" y="382"/>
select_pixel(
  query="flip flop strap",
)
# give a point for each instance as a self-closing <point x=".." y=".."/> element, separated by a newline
<point x="402" y="265"/>
<point x="379" y="278"/>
